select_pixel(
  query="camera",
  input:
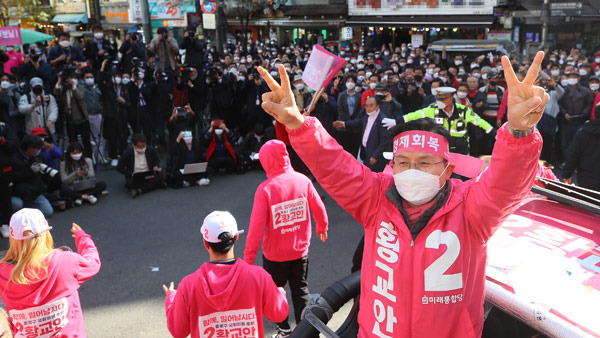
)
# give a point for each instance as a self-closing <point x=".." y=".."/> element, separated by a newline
<point x="181" y="111"/>
<point x="46" y="170"/>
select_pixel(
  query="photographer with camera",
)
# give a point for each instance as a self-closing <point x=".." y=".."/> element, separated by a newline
<point x="116" y="101"/>
<point x="64" y="54"/>
<point x="71" y="94"/>
<point x="28" y="185"/>
<point x="141" y="117"/>
<point x="193" y="48"/>
<point x="35" y="66"/>
<point x="166" y="49"/>
<point x="98" y="49"/>
<point x="39" y="107"/>
<point x="132" y="47"/>
<point x="51" y="153"/>
<point x="9" y="103"/>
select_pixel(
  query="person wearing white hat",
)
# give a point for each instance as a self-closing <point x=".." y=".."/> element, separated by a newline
<point x="225" y="296"/>
<point x="300" y="91"/>
<point x="40" y="108"/>
<point x="39" y="283"/>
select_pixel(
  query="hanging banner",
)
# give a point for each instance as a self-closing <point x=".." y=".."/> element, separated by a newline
<point x="10" y="36"/>
<point x="135" y="11"/>
<point x="170" y="9"/>
<point x="209" y="21"/>
<point x="321" y="68"/>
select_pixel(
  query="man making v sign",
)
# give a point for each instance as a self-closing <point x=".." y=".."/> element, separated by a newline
<point x="424" y="258"/>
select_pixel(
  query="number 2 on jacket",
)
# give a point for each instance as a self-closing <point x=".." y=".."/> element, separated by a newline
<point x="435" y="277"/>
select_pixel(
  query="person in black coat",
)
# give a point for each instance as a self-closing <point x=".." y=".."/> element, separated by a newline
<point x="188" y="151"/>
<point x="140" y="159"/>
<point x="348" y="139"/>
<point x="9" y="144"/>
<point x="193" y="49"/>
<point x="98" y="49"/>
<point x="584" y="155"/>
<point x="34" y="67"/>
<point x="250" y="93"/>
<point x="131" y="48"/>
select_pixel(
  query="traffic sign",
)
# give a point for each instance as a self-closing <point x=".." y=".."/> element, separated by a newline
<point x="209" y="7"/>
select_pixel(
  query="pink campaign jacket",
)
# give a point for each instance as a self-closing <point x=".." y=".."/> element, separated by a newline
<point x="50" y="307"/>
<point x="222" y="300"/>
<point x="433" y="285"/>
<point x="281" y="206"/>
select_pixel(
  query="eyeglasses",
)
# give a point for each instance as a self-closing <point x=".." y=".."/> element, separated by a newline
<point x="423" y="165"/>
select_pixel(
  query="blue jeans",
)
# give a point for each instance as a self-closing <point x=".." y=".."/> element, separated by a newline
<point x="41" y="203"/>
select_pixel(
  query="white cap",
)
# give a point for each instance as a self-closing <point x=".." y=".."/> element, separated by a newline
<point x="216" y="223"/>
<point x="36" y="81"/>
<point x="28" y="220"/>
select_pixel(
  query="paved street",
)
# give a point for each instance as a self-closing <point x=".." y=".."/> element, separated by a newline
<point x="162" y="230"/>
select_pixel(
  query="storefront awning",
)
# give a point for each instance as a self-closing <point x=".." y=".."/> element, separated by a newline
<point x="431" y="21"/>
<point x="71" y="18"/>
<point x="312" y="10"/>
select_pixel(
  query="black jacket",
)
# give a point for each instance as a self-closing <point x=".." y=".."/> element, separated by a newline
<point x="9" y="144"/>
<point x="126" y="161"/>
<point x="193" y="51"/>
<point x="577" y="102"/>
<point x="90" y="52"/>
<point x="584" y="155"/>
<point x="111" y="107"/>
<point x="28" y="184"/>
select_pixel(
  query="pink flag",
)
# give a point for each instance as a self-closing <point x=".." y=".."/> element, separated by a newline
<point x="321" y="68"/>
<point x="10" y="36"/>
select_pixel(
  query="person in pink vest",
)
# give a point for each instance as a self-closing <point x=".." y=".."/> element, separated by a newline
<point x="423" y="271"/>
<point x="225" y="297"/>
<point x="15" y="59"/>
<point x="39" y="284"/>
<point x="280" y="218"/>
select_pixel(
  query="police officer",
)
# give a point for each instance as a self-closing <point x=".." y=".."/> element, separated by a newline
<point x="453" y="116"/>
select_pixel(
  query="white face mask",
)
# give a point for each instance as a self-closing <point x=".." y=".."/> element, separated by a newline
<point x="368" y="74"/>
<point x="274" y="74"/>
<point x="410" y="61"/>
<point x="218" y="131"/>
<point x="573" y="81"/>
<point x="564" y="82"/>
<point x="555" y="72"/>
<point x="372" y="113"/>
<point x="5" y="85"/>
<point x="594" y="86"/>
<point x="458" y="62"/>
<point x="99" y="35"/>
<point x="395" y="69"/>
<point x="242" y="78"/>
<point x="461" y="95"/>
<point x="187" y="139"/>
<point x="484" y="76"/>
<point x="417" y="187"/>
<point x="117" y="80"/>
<point x="477" y="75"/>
<point x="350" y="85"/>
<point x="372" y="85"/>
<point x="441" y="104"/>
<point x="10" y="49"/>
<point x="89" y="81"/>
<point x="443" y="79"/>
<point x="142" y="150"/>
<point x="597" y="60"/>
<point x="125" y="80"/>
<point x="76" y="157"/>
<point x="430" y="71"/>
<point x="299" y="86"/>
<point x="75" y="82"/>
<point x="582" y="72"/>
<point x="65" y="43"/>
<point x="141" y="75"/>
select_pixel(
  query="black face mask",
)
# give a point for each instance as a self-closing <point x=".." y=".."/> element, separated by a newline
<point x="418" y="78"/>
<point x="38" y="90"/>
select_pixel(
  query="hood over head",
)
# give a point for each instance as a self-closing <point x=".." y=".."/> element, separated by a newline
<point x="274" y="157"/>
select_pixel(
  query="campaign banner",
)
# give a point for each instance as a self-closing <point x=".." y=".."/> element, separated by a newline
<point x="10" y="36"/>
<point x="321" y="68"/>
<point x="241" y="323"/>
<point x="44" y="321"/>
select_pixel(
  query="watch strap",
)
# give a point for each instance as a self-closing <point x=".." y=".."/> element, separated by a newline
<point x="520" y="133"/>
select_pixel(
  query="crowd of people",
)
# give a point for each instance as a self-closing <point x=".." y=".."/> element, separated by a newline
<point x="151" y="110"/>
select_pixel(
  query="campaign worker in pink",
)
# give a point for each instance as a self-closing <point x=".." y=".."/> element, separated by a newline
<point x="423" y="268"/>
<point x="225" y="297"/>
<point x="39" y="284"/>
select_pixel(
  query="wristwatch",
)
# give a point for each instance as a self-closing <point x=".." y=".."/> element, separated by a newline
<point x="520" y="133"/>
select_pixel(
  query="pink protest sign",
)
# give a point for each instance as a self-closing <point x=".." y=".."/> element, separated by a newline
<point x="10" y="36"/>
<point x="321" y="68"/>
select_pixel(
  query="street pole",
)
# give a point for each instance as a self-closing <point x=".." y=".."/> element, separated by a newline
<point x="147" y="27"/>
<point x="545" y="18"/>
<point x="220" y="29"/>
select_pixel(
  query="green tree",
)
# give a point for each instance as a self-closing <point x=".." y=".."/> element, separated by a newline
<point x="38" y="10"/>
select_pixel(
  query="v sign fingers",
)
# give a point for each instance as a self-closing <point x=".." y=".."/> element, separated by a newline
<point x="273" y="85"/>
<point x="534" y="69"/>
<point x="280" y="102"/>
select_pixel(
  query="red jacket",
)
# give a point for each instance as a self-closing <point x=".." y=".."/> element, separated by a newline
<point x="221" y="300"/>
<point x="596" y="102"/>
<point x="55" y="294"/>
<point x="432" y="285"/>
<point x="280" y="216"/>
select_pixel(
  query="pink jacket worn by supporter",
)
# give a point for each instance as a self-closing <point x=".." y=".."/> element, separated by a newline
<point x="281" y="205"/>
<point x="51" y="304"/>
<point x="432" y="284"/>
<point x="223" y="300"/>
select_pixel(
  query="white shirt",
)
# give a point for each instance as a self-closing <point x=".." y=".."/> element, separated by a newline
<point x="140" y="164"/>
<point x="370" y="121"/>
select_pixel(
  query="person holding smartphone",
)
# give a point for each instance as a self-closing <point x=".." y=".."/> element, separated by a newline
<point x="220" y="153"/>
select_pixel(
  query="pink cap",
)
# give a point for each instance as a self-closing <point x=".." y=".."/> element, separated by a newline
<point x="422" y="141"/>
<point x="28" y="220"/>
<point x="216" y="223"/>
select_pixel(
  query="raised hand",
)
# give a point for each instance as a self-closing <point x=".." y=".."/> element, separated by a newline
<point x="526" y="102"/>
<point x="280" y="102"/>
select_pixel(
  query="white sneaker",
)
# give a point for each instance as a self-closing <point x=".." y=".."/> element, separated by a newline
<point x="92" y="199"/>
<point x="282" y="333"/>
<point x="114" y="163"/>
<point x="204" y="181"/>
<point x="77" y="202"/>
<point x="104" y="193"/>
<point x="186" y="184"/>
<point x="5" y="230"/>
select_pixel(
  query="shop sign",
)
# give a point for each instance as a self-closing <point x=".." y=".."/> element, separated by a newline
<point x="209" y="21"/>
<point x="170" y="9"/>
<point x="394" y="7"/>
<point x="117" y="17"/>
<point x="175" y="23"/>
<point x="69" y="7"/>
<point x="346" y="33"/>
<point x="135" y="11"/>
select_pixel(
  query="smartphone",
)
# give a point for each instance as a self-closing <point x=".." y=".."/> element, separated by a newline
<point x="46" y="98"/>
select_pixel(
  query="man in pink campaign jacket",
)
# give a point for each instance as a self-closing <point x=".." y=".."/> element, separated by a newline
<point x="280" y="218"/>
<point x="39" y="284"/>
<point x="425" y="235"/>
<point x="225" y="297"/>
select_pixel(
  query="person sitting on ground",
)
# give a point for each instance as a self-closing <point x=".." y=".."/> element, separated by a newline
<point x="143" y="161"/>
<point x="188" y="151"/>
<point x="225" y="286"/>
<point x="74" y="169"/>
<point x="252" y="143"/>
<point x="40" y="281"/>
<point x="220" y="153"/>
